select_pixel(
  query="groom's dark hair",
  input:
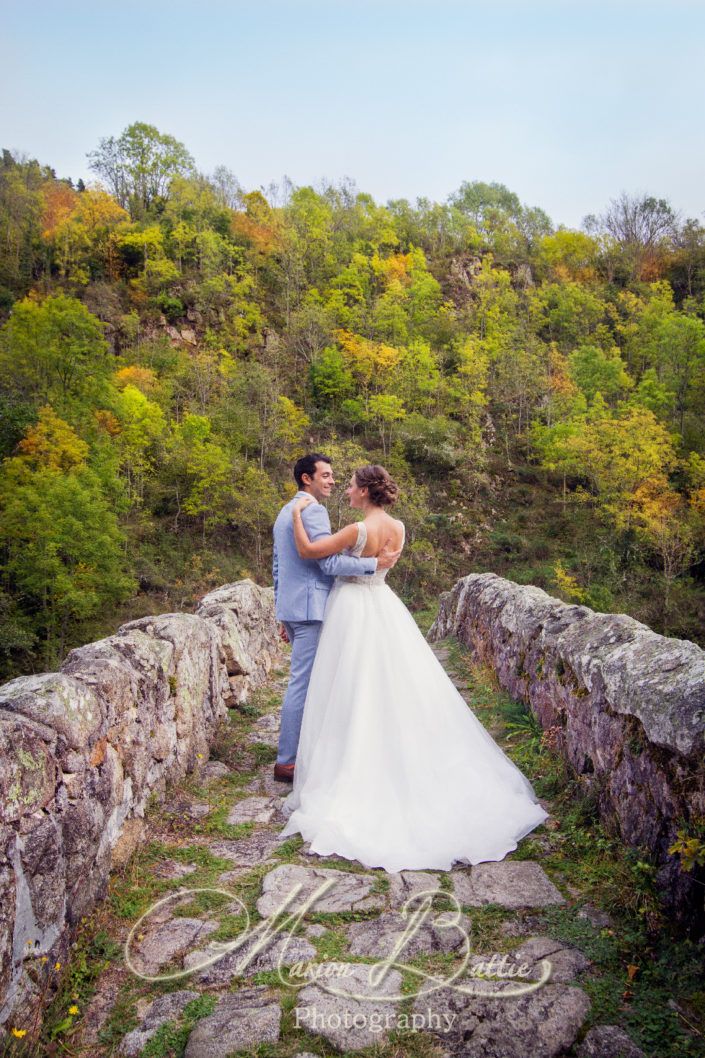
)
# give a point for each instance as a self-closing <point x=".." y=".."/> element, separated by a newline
<point x="307" y="465"/>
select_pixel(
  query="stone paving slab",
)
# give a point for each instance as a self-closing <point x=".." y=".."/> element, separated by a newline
<point x="315" y="929"/>
<point x="543" y="1023"/>
<point x="187" y="809"/>
<point x="279" y="950"/>
<point x="241" y="1021"/>
<point x="213" y="770"/>
<point x="607" y="1041"/>
<point x="265" y="730"/>
<point x="165" y="1008"/>
<point x="566" y="960"/>
<point x="268" y="722"/>
<point x="405" y="884"/>
<point x="254" y="810"/>
<point x="378" y="937"/>
<point x="173" y="869"/>
<point x="348" y="1021"/>
<point x="350" y="892"/>
<point x="322" y="858"/>
<point x="267" y="738"/>
<point x="597" y="918"/>
<point x="509" y="883"/>
<point x="247" y="852"/>
<point x="169" y="939"/>
<point x="265" y="783"/>
<point x="232" y="877"/>
<point x="524" y="926"/>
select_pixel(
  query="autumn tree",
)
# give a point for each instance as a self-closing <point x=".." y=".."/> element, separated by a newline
<point x="83" y="235"/>
<point x="569" y="256"/>
<point x="662" y="521"/>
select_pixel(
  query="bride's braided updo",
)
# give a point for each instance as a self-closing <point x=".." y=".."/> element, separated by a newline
<point x="381" y="490"/>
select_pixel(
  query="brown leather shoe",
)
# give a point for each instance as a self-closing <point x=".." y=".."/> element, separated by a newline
<point x="284" y="772"/>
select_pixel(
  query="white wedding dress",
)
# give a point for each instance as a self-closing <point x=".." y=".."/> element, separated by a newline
<point x="393" y="768"/>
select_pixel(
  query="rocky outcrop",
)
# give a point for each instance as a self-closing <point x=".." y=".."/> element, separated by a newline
<point x="83" y="749"/>
<point x="625" y="707"/>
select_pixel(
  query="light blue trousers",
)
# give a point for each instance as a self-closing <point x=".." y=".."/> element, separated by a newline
<point x="303" y="636"/>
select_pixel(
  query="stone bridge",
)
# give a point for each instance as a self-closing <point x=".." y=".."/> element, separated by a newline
<point x="131" y="719"/>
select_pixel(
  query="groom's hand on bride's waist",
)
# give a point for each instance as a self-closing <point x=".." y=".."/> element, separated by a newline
<point x="387" y="556"/>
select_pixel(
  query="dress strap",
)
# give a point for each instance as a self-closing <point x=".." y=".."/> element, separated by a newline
<point x="361" y="537"/>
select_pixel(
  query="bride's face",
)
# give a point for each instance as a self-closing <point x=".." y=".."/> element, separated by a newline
<point x="356" y="495"/>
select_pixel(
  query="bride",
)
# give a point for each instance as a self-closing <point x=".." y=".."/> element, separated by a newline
<point x="393" y="768"/>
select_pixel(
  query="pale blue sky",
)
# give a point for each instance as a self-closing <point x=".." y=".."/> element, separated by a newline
<point x="567" y="103"/>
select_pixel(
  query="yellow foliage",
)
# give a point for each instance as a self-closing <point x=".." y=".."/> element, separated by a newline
<point x="82" y="227"/>
<point x="365" y="358"/>
<point x="394" y="268"/>
<point x="690" y="850"/>
<point x="52" y="444"/>
<point x="142" y="377"/>
<point x="568" y="584"/>
<point x="697" y="501"/>
<point x="571" y="255"/>
<point x="660" y="518"/>
<point x="96" y="211"/>
<point x="292" y="424"/>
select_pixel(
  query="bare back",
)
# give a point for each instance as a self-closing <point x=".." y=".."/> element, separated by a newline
<point x="381" y="527"/>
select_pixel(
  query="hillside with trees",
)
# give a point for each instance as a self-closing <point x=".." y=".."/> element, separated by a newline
<point x="170" y="342"/>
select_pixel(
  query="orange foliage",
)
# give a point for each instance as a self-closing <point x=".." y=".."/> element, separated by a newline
<point x="258" y="224"/>
<point x="652" y="267"/>
<point x="559" y="381"/>
<point x="564" y="273"/>
<point x="107" y="422"/>
<point x="59" y="202"/>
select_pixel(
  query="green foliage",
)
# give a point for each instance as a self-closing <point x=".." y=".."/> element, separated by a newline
<point x="595" y="370"/>
<point x="62" y="547"/>
<point x="139" y="165"/>
<point x="53" y="351"/>
<point x="331" y="379"/>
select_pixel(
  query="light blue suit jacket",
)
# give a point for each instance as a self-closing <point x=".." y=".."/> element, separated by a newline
<point x="301" y="585"/>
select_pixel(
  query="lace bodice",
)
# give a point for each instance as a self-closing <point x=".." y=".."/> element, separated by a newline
<point x="379" y="575"/>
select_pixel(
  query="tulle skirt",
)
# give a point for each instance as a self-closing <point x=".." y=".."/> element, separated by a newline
<point x="393" y="768"/>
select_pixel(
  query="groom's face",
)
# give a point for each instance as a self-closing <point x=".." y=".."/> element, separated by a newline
<point x="321" y="482"/>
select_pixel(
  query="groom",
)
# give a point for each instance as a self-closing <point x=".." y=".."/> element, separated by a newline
<point x="301" y="587"/>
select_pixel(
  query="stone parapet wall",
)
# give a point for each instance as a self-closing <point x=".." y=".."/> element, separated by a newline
<point x="626" y="705"/>
<point x="83" y="749"/>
